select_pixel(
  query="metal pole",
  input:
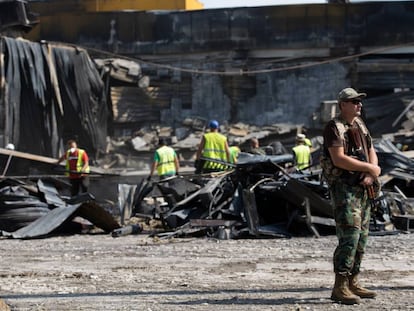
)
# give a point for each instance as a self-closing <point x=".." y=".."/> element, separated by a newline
<point x="7" y="165"/>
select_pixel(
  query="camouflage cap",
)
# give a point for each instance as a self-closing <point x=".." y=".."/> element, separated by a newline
<point x="349" y="93"/>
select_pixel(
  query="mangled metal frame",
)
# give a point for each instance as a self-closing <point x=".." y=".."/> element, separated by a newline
<point x="227" y="200"/>
<point x="51" y="214"/>
<point x="256" y="197"/>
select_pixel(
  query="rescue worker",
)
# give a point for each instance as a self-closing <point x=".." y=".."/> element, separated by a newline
<point x="350" y="196"/>
<point x="255" y="147"/>
<point x="301" y="152"/>
<point x="234" y="153"/>
<point x="77" y="167"/>
<point x="308" y="142"/>
<point x="213" y="145"/>
<point x="165" y="161"/>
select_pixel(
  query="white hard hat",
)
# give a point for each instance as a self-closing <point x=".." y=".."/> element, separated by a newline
<point x="10" y="146"/>
<point x="300" y="137"/>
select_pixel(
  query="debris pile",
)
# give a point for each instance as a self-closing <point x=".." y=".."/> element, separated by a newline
<point x="259" y="197"/>
<point x="37" y="210"/>
<point x="134" y="152"/>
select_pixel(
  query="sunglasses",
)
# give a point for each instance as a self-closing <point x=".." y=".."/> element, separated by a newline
<point x="355" y="101"/>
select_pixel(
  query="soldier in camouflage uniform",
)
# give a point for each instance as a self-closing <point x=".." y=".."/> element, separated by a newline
<point x="350" y="198"/>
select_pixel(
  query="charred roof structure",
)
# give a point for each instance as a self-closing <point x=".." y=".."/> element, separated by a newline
<point x="15" y="18"/>
<point x="50" y="93"/>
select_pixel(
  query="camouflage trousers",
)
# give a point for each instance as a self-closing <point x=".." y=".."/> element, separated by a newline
<point x="352" y="216"/>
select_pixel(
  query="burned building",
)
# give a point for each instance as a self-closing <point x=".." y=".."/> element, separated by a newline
<point x="261" y="66"/>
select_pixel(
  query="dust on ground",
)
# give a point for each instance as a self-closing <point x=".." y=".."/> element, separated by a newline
<point x="99" y="272"/>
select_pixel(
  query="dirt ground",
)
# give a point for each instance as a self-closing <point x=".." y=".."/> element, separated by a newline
<point x="99" y="272"/>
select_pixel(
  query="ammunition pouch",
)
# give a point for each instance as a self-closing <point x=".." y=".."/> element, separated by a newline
<point x="330" y="172"/>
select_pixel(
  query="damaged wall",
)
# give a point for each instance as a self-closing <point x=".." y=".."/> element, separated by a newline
<point x="270" y="98"/>
<point x="218" y="49"/>
<point x="290" y="30"/>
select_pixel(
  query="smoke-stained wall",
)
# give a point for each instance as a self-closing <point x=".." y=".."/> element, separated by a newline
<point x="247" y="40"/>
<point x="291" y="96"/>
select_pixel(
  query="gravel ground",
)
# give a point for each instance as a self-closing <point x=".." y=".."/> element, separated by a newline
<point x="98" y="272"/>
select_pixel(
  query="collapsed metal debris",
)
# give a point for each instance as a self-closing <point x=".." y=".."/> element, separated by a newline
<point x="256" y="198"/>
<point x="259" y="197"/>
<point x="37" y="210"/>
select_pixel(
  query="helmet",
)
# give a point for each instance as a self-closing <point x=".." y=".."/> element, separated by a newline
<point x="162" y="141"/>
<point x="10" y="146"/>
<point x="213" y="124"/>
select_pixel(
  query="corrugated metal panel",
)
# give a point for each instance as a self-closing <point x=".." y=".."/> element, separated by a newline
<point x="382" y="111"/>
<point x="383" y="74"/>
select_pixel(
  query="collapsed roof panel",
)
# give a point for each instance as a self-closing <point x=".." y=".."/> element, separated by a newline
<point x="52" y="93"/>
<point x="25" y="214"/>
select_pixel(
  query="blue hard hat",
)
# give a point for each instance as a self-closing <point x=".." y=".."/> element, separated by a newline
<point x="213" y="124"/>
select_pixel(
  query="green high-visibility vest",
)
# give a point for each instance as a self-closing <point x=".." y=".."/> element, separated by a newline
<point x="234" y="153"/>
<point x="165" y="157"/>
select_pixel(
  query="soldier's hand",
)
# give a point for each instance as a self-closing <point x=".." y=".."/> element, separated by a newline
<point x="375" y="170"/>
<point x="367" y="180"/>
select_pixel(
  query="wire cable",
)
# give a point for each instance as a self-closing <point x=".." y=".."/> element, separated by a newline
<point x="240" y="72"/>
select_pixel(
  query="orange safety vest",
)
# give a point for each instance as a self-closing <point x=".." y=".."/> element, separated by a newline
<point x="79" y="162"/>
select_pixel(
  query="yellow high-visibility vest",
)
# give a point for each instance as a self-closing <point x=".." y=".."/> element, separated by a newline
<point x="302" y="154"/>
<point x="214" y="148"/>
<point x="79" y="163"/>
